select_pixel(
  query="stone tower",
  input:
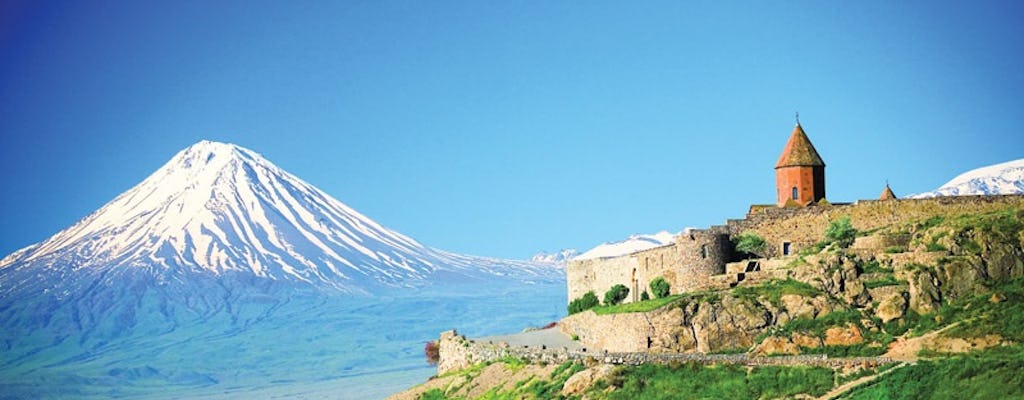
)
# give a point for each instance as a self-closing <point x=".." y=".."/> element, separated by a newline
<point x="800" y="172"/>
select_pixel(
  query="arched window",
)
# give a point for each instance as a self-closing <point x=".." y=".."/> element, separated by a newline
<point x="795" y="197"/>
<point x="703" y="251"/>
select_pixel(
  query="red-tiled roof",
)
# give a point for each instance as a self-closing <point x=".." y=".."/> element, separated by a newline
<point x="799" y="151"/>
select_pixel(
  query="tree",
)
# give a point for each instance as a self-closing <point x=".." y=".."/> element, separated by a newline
<point x="660" y="287"/>
<point x="749" y="242"/>
<point x="644" y="296"/>
<point x="841" y="232"/>
<point x="615" y="295"/>
<point x="586" y="302"/>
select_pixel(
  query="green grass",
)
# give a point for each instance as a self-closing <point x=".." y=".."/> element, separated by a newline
<point x="714" y="382"/>
<point x="895" y="249"/>
<point x="990" y="374"/>
<point x="933" y="246"/>
<point x="873" y="266"/>
<point x="639" y="306"/>
<point x="774" y="290"/>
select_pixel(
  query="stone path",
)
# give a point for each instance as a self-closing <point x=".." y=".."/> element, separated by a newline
<point x="552" y="338"/>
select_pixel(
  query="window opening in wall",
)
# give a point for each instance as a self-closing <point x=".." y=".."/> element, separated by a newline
<point x="703" y="251"/>
<point x="785" y="248"/>
<point x="795" y="197"/>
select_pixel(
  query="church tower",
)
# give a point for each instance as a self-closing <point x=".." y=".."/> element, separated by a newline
<point x="800" y="172"/>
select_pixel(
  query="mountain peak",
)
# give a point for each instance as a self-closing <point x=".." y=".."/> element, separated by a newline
<point x="221" y="208"/>
<point x="1002" y="178"/>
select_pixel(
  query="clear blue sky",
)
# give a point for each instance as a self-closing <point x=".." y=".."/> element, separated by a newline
<point x="505" y="128"/>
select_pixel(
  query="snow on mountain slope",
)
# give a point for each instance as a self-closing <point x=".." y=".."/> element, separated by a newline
<point x="219" y="209"/>
<point x="1004" y="178"/>
<point x="559" y="257"/>
<point x="634" y="244"/>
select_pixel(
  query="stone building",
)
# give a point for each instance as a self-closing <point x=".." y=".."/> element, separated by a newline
<point x="800" y="172"/>
<point x="698" y="258"/>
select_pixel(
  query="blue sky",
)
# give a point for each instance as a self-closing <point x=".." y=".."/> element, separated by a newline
<point x="505" y="128"/>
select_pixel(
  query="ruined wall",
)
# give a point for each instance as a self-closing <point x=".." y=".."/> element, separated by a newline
<point x="802" y="227"/>
<point x="686" y="264"/>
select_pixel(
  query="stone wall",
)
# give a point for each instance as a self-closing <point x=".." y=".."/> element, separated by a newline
<point x="686" y="264"/>
<point x="458" y="352"/>
<point x="693" y="262"/>
<point x="802" y="227"/>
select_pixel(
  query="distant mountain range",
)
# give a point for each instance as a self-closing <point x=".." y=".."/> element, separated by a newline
<point x="559" y="257"/>
<point x="1004" y="178"/>
<point x="633" y="244"/>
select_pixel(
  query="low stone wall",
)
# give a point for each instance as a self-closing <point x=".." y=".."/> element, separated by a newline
<point x="458" y="352"/>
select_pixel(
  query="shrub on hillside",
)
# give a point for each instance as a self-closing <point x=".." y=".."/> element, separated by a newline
<point x="433" y="352"/>
<point x="660" y="287"/>
<point x="644" y="296"/>
<point x="750" y="243"/>
<point x="616" y="295"/>
<point x="841" y="232"/>
<point x="586" y="302"/>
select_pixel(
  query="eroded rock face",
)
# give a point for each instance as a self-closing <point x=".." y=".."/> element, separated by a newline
<point x="776" y="345"/>
<point x="580" y="381"/>
<point x="892" y="307"/>
<point x="694" y="326"/>
<point x="843" y="336"/>
<point x="808" y="341"/>
<point x="924" y="292"/>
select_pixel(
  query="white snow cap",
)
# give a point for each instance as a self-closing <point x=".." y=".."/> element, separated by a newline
<point x="218" y="207"/>
<point x="1004" y="178"/>
<point x="631" y="245"/>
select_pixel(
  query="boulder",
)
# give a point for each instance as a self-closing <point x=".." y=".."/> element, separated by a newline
<point x="891" y="307"/>
<point x="580" y="381"/>
<point x="843" y="336"/>
<point x="774" y="345"/>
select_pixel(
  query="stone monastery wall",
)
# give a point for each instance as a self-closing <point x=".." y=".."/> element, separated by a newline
<point x="687" y="265"/>
<point x="803" y="227"/>
<point x="697" y="256"/>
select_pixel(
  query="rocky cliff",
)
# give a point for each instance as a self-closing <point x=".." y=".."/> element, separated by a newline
<point x="932" y="286"/>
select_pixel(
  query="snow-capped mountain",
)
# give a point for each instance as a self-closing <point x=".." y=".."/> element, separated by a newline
<point x="218" y="209"/>
<point x="633" y="244"/>
<point x="558" y="257"/>
<point x="1004" y="178"/>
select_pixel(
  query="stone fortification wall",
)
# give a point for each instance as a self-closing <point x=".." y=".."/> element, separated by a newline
<point x="458" y="352"/>
<point x="686" y="264"/>
<point x="599" y="275"/>
<point x="802" y="227"/>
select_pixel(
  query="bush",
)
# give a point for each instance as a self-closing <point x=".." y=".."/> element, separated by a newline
<point x="584" y="303"/>
<point x="644" y="296"/>
<point x="750" y="243"/>
<point x="433" y="352"/>
<point x="660" y="287"/>
<point x="841" y="232"/>
<point x="615" y="295"/>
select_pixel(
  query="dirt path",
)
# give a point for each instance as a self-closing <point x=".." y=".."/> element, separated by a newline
<point x="906" y="349"/>
<point x="838" y="391"/>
